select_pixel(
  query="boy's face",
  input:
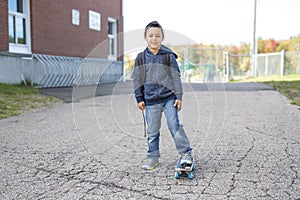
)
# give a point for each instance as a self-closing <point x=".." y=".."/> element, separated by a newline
<point x="154" y="38"/>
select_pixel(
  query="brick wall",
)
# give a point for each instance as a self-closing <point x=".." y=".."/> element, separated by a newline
<point x="4" y="40"/>
<point x="52" y="31"/>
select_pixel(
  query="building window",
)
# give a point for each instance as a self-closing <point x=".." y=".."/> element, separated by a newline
<point x="18" y="26"/>
<point x="75" y="17"/>
<point x="112" y="38"/>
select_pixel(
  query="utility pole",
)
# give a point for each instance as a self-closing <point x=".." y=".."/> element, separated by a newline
<point x="253" y="51"/>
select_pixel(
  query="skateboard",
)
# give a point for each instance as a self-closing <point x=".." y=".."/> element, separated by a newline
<point x="184" y="168"/>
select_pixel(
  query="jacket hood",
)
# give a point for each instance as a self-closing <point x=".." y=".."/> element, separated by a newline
<point x="164" y="49"/>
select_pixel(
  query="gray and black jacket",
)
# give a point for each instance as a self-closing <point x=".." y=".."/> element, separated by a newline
<point x="157" y="82"/>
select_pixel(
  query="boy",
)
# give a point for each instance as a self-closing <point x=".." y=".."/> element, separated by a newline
<point x="158" y="89"/>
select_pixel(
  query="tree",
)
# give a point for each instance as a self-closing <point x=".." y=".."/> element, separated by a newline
<point x="270" y="45"/>
<point x="260" y="45"/>
<point x="283" y="45"/>
<point x="294" y="43"/>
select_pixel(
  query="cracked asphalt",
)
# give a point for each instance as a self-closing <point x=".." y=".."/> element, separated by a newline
<point x="245" y="139"/>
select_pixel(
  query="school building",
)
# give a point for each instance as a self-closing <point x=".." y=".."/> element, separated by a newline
<point x="56" y="43"/>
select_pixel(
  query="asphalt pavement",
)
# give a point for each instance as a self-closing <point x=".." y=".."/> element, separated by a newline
<point x="245" y="139"/>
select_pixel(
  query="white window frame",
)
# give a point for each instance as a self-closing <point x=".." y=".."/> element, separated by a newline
<point x="113" y="37"/>
<point x="22" y="48"/>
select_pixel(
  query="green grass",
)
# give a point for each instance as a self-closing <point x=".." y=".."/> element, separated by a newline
<point x="288" y="85"/>
<point x="17" y="99"/>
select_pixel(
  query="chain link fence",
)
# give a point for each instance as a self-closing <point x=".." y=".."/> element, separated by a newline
<point x="269" y="64"/>
<point x="292" y="63"/>
<point x="204" y="65"/>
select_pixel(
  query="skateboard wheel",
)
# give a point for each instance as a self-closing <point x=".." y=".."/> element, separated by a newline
<point x="190" y="175"/>
<point x="177" y="175"/>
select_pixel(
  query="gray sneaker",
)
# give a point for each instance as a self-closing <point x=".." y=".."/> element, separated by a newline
<point x="186" y="159"/>
<point x="150" y="164"/>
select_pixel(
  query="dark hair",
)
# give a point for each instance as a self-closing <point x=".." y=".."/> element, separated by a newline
<point x="154" y="24"/>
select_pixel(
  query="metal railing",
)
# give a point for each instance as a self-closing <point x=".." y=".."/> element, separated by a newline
<point x="58" y="71"/>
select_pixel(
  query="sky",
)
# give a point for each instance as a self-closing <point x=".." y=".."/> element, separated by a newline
<point x="224" y="22"/>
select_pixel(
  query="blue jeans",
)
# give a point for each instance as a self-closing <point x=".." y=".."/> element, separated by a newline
<point x="153" y="117"/>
